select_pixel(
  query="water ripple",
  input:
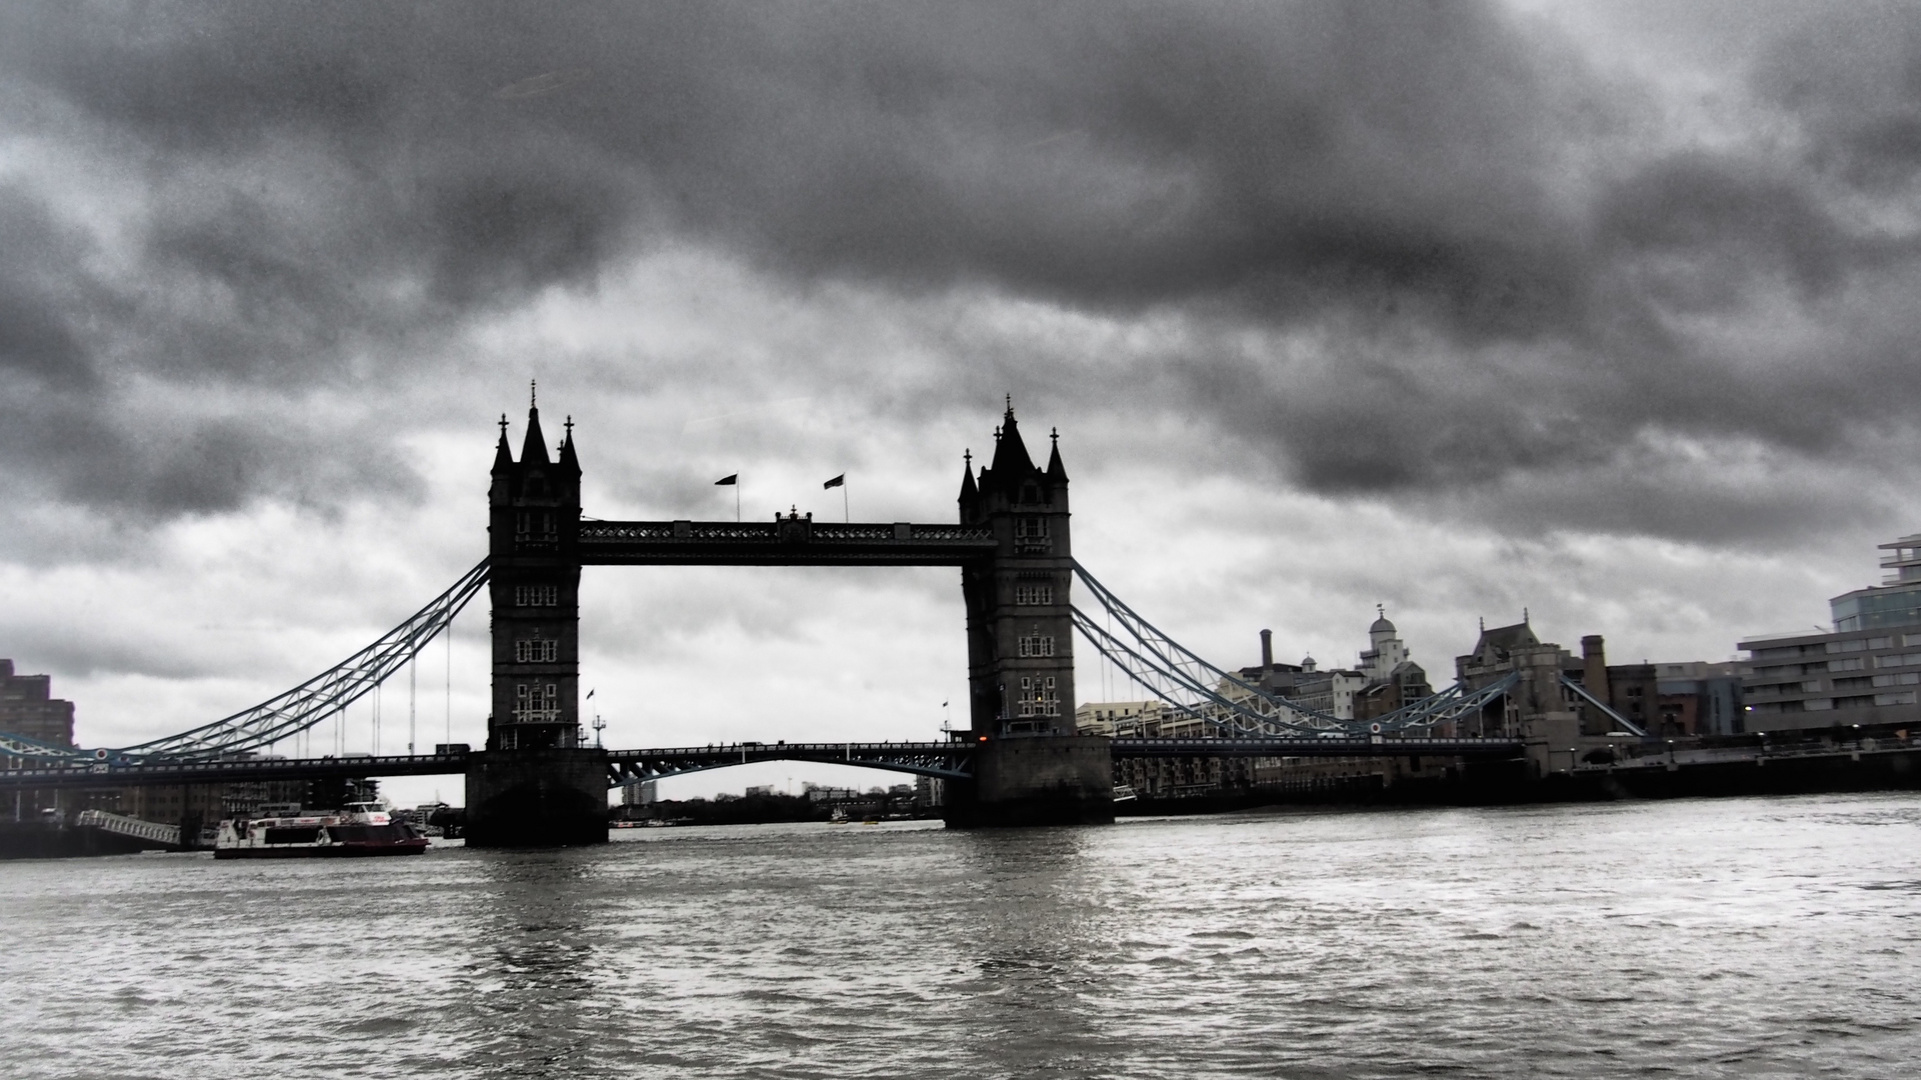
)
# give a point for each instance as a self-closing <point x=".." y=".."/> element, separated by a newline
<point x="1763" y="937"/>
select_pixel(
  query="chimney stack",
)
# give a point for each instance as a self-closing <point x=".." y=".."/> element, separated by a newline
<point x="1594" y="669"/>
<point x="1267" y="650"/>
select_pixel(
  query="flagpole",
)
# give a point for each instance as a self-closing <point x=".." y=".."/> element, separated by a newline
<point x="736" y="502"/>
<point x="844" y="516"/>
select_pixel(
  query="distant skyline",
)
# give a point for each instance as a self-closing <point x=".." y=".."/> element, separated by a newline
<point x="1605" y="311"/>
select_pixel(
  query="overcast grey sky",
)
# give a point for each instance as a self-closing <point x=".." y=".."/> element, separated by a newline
<point x="1602" y="310"/>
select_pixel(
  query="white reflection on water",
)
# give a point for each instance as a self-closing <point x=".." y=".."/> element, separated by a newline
<point x="1694" y="938"/>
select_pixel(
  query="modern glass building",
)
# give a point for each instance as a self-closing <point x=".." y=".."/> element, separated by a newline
<point x="1895" y="602"/>
<point x="1867" y="670"/>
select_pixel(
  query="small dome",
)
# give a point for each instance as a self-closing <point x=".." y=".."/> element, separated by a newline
<point x="1381" y="625"/>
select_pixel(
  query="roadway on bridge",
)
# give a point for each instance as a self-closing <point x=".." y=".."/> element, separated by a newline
<point x="947" y="759"/>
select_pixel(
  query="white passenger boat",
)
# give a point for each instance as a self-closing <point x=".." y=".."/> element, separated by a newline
<point x="357" y="829"/>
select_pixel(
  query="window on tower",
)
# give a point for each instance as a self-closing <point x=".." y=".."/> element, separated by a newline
<point x="536" y="703"/>
<point x="536" y="651"/>
<point x="1030" y="595"/>
<point x="1039" y="697"/>
<point x="1037" y="645"/>
<point x="535" y="525"/>
<point x="1030" y="535"/>
<point x="536" y="596"/>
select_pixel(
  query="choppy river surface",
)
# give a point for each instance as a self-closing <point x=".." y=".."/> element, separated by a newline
<point x="1754" y="937"/>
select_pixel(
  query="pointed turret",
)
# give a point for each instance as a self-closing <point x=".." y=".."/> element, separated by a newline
<point x="1011" y="461"/>
<point x="533" y="451"/>
<point x="568" y="462"/>
<point x="503" y="457"/>
<point x="1056" y="472"/>
<point x="970" y="494"/>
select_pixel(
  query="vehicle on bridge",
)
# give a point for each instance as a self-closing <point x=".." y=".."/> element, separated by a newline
<point x="359" y="829"/>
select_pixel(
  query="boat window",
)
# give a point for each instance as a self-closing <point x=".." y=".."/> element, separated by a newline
<point x="387" y="834"/>
<point x="293" y="836"/>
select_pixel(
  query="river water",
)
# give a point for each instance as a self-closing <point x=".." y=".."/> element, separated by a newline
<point x="1742" y="937"/>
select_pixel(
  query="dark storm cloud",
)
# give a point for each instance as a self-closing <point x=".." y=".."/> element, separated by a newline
<point x="1500" y="268"/>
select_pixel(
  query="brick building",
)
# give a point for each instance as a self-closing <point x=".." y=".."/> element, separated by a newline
<point x="29" y="709"/>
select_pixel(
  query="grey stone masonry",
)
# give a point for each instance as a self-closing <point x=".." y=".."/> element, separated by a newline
<point x="533" y="525"/>
<point x="1020" y="630"/>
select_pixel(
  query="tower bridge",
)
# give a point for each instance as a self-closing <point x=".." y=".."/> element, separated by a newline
<point x="1019" y="761"/>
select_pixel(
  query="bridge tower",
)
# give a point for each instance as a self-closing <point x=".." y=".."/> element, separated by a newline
<point x="1029" y="766"/>
<point x="1020" y="635"/>
<point x="534" y="785"/>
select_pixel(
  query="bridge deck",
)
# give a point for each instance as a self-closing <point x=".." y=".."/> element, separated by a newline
<point x="949" y="759"/>
<point x="781" y="543"/>
<point x="944" y="759"/>
<point x="1366" y="746"/>
<point x="96" y="774"/>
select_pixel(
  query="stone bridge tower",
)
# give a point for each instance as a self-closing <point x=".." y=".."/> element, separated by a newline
<point x="535" y="785"/>
<point x="1029" y="766"/>
<point x="1020" y="633"/>
<point x="533" y="526"/>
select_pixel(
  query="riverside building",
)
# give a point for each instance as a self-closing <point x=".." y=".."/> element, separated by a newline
<point x="29" y="709"/>
<point x="1865" y="670"/>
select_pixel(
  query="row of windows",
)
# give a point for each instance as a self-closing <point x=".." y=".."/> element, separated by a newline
<point x="536" y="596"/>
<point x="1030" y="536"/>
<point x="1854" y="701"/>
<point x="1038" y="697"/>
<point x="1784" y="652"/>
<point x="1851" y="663"/>
<point x="1861" y="701"/>
<point x="1906" y="678"/>
<point x="1037" y="645"/>
<point x="1033" y="594"/>
<point x="536" y="651"/>
<point x="536" y="696"/>
<point x="535" y="525"/>
<point x="534" y="702"/>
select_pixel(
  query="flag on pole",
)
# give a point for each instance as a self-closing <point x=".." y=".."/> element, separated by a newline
<point x="589" y="697"/>
<point x="734" y="479"/>
<point x="838" y="481"/>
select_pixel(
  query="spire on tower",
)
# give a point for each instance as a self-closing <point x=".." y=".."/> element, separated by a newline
<point x="1056" y="472"/>
<point x="567" y="458"/>
<point x="503" y="457"/>
<point x="1011" y="463"/>
<point x="969" y="491"/>
<point x="533" y="450"/>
